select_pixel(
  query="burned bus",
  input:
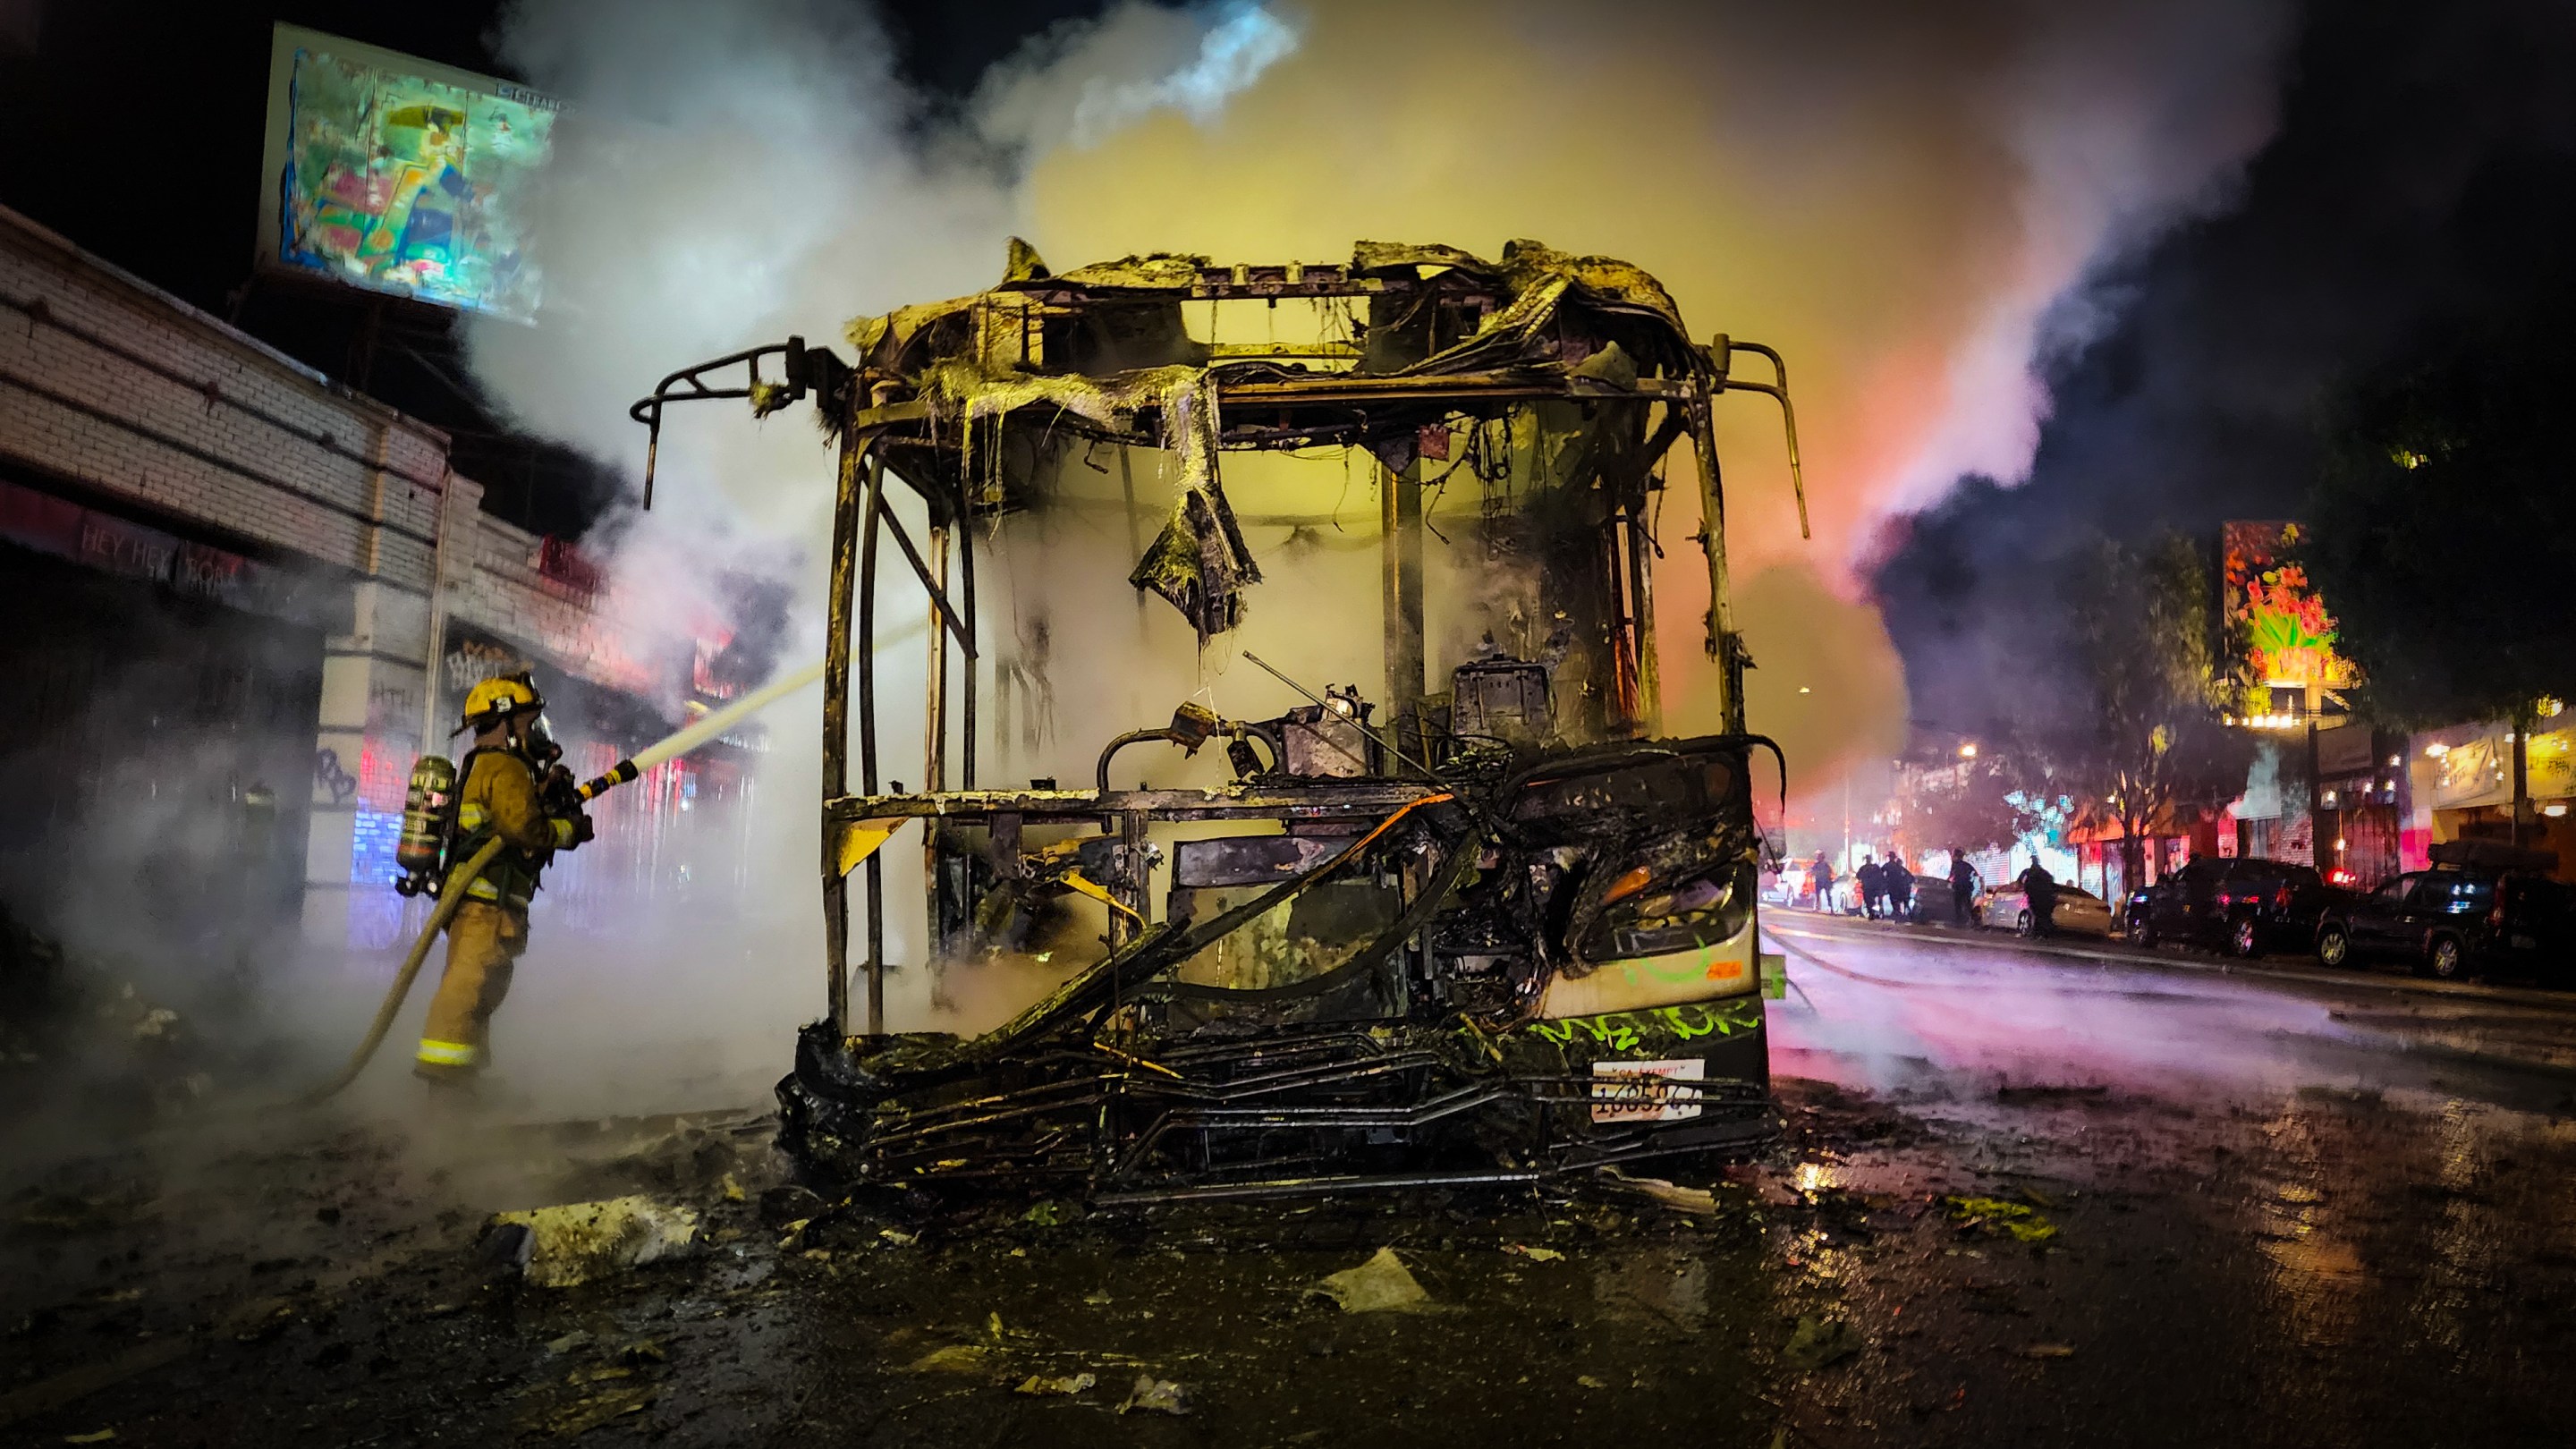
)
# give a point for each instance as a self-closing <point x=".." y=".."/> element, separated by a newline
<point x="1444" y="905"/>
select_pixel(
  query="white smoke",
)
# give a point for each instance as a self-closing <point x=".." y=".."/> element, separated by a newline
<point x="1079" y="84"/>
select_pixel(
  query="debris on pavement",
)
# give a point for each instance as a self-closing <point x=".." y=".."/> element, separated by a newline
<point x="693" y="1156"/>
<point x="1067" y="1386"/>
<point x="1672" y="1195"/>
<point x="1999" y="1217"/>
<point x="789" y="1204"/>
<point x="1380" y="1283"/>
<point x="956" y="1358"/>
<point x="1156" y="1396"/>
<point x="2049" y="1350"/>
<point x="592" y="1410"/>
<point x="1535" y="1255"/>
<point x="576" y="1242"/>
<point x="101" y="1437"/>
<point x="1819" y="1341"/>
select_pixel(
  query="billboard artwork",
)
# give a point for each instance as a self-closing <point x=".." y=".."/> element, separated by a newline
<point x="397" y="175"/>
<point x="2285" y="635"/>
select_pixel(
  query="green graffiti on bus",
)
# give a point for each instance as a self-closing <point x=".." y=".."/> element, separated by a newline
<point x="1627" y="1033"/>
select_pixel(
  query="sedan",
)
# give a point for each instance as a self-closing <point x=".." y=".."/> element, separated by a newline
<point x="2079" y="912"/>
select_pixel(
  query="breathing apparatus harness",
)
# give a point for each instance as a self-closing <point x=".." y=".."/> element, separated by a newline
<point x="432" y="838"/>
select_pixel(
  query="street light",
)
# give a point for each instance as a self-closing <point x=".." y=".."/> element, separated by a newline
<point x="1968" y="751"/>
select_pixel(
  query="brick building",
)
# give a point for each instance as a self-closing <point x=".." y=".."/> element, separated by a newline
<point x="228" y="578"/>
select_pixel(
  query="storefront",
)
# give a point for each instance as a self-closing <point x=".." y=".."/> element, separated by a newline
<point x="159" y="732"/>
<point x="2468" y="775"/>
<point x="2361" y="805"/>
<point x="2168" y="839"/>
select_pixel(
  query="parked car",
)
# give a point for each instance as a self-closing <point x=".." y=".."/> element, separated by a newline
<point x="2243" y="906"/>
<point x="2079" y="912"/>
<point x="2449" y="922"/>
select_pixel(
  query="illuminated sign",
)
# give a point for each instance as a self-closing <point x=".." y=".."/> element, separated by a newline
<point x="2281" y="631"/>
<point x="396" y="175"/>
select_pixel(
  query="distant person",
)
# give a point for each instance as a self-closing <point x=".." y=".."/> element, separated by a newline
<point x="1898" y="879"/>
<point x="1963" y="885"/>
<point x="2040" y="889"/>
<point x="1866" y="875"/>
<point x="1820" y="878"/>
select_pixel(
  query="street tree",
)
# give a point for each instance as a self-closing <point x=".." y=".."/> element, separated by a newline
<point x="1968" y="806"/>
<point x="2141" y="731"/>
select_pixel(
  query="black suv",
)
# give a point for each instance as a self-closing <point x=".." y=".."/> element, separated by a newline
<point x="2448" y="922"/>
<point x="2244" y="906"/>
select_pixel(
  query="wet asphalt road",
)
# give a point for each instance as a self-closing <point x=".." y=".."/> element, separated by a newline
<point x="2025" y="1200"/>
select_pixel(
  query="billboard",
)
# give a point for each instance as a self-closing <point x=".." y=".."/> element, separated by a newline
<point x="397" y="175"/>
<point x="2279" y="628"/>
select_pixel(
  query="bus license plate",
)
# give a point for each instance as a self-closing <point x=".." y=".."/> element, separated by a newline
<point x="1665" y="1091"/>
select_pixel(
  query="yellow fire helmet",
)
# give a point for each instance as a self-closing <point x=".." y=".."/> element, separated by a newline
<point x="500" y="698"/>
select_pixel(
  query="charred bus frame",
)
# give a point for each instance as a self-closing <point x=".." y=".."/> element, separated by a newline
<point x="1093" y="357"/>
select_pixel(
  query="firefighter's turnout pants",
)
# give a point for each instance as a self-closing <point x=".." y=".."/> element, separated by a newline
<point x="483" y="946"/>
<point x="490" y="929"/>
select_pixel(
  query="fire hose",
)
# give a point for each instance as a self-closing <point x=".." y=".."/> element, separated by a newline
<point x="453" y="895"/>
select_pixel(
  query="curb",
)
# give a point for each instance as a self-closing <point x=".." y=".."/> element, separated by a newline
<point x="2133" y="956"/>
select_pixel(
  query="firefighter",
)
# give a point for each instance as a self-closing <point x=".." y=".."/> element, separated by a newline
<point x="504" y="793"/>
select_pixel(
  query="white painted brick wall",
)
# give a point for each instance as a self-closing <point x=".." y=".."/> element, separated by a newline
<point x="288" y="490"/>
